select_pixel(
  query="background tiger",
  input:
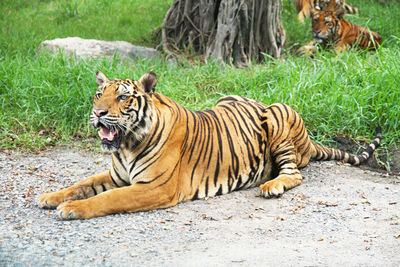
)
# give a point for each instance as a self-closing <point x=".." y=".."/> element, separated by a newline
<point x="163" y="153"/>
<point x="305" y="7"/>
<point x="330" y="28"/>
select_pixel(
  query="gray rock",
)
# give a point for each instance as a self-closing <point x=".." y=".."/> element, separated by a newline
<point x="90" y="48"/>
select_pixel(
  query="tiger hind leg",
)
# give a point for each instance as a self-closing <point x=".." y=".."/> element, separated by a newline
<point x="289" y="175"/>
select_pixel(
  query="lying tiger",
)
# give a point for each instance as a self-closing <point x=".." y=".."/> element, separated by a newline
<point x="305" y="7"/>
<point x="329" y="29"/>
<point x="163" y="153"/>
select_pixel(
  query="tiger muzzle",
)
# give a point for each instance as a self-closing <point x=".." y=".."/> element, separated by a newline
<point x="111" y="136"/>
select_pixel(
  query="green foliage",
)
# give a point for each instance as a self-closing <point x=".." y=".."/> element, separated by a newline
<point x="25" y="24"/>
<point x="45" y="99"/>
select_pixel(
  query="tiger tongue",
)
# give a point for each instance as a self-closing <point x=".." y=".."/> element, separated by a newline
<point x="107" y="134"/>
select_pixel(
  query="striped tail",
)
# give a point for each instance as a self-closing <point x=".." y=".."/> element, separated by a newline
<point x="326" y="153"/>
<point x="350" y="9"/>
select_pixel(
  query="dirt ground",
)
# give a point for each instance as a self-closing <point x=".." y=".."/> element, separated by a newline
<point x="340" y="215"/>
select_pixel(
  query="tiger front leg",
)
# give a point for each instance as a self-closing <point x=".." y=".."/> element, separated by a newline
<point x="309" y="49"/>
<point x="84" y="189"/>
<point x="289" y="174"/>
<point x="136" y="197"/>
<point x="341" y="46"/>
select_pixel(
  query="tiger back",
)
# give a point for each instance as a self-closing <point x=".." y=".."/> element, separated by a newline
<point x="164" y="154"/>
<point x="305" y="7"/>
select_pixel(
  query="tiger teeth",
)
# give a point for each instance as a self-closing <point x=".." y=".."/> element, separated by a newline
<point x="107" y="134"/>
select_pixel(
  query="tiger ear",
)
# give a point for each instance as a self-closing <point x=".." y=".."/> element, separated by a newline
<point x="101" y="79"/>
<point x="148" y="82"/>
<point x="340" y="13"/>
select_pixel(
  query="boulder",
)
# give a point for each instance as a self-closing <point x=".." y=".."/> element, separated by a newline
<point x="90" y="48"/>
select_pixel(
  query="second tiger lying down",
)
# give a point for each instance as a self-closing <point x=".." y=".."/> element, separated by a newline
<point x="163" y="153"/>
<point x="329" y="29"/>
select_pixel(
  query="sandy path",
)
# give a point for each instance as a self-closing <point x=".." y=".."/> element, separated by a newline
<point x="339" y="216"/>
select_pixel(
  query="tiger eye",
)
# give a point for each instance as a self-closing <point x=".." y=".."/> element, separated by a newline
<point x="122" y="98"/>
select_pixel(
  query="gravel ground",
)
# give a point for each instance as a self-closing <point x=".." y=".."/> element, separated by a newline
<point x="340" y="215"/>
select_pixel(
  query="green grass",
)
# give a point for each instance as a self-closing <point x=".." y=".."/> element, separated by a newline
<point x="46" y="100"/>
<point x="26" y="23"/>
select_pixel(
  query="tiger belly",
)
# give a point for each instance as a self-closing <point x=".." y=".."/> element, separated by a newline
<point x="211" y="184"/>
<point x="225" y="151"/>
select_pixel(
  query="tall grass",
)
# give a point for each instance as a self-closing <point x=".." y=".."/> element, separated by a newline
<point x="26" y="23"/>
<point x="45" y="99"/>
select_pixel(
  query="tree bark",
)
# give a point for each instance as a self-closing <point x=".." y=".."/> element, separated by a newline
<point x="233" y="31"/>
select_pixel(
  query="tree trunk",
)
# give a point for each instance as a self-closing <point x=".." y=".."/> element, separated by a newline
<point x="233" y="31"/>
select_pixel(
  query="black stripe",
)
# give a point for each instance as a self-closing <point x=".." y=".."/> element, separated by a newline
<point x="112" y="179"/>
<point x="206" y="186"/>
<point x="216" y="173"/>
<point x="158" y="96"/>
<point x="94" y="189"/>
<point x="119" y="177"/>
<point x="234" y="159"/>
<point x="154" y="141"/>
<point x="226" y="98"/>
<point x="196" y="195"/>
<point x="170" y="177"/>
<point x="283" y="152"/>
<point x="208" y="135"/>
<point x="152" y="180"/>
<point x="301" y="132"/>
<point x="219" y="192"/>
<point x="245" y="108"/>
<point x="277" y="122"/>
<point x="284" y="162"/>
<point x="264" y="125"/>
<point x="287" y="112"/>
<point x="294" y="120"/>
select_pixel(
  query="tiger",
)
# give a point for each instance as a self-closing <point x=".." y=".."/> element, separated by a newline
<point x="305" y="7"/>
<point x="330" y="28"/>
<point x="163" y="154"/>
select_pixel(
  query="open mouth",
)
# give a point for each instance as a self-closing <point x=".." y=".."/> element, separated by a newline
<point x="110" y="140"/>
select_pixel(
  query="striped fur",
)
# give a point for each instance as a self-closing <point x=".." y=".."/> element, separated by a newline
<point x="305" y="7"/>
<point x="330" y="28"/>
<point x="185" y="155"/>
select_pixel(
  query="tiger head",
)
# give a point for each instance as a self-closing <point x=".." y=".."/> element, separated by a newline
<point x="122" y="109"/>
<point x="325" y="25"/>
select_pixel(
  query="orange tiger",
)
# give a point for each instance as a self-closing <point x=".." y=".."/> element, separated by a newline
<point x="305" y="7"/>
<point x="163" y="153"/>
<point x="330" y="28"/>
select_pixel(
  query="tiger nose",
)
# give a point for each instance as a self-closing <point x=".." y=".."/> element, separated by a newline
<point x="100" y="112"/>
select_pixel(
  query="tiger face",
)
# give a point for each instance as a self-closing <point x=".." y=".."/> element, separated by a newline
<point x="122" y="108"/>
<point x="325" y="25"/>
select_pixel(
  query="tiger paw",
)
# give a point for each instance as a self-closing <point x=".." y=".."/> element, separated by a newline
<point x="74" y="210"/>
<point x="273" y="188"/>
<point x="50" y="200"/>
